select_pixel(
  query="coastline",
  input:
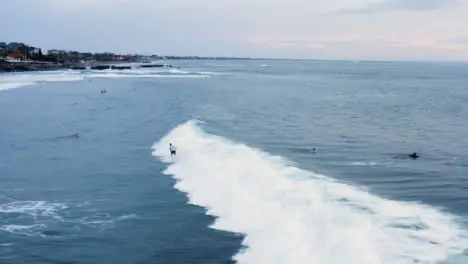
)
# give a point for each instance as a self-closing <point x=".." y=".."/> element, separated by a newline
<point x="22" y="66"/>
<point x="6" y="66"/>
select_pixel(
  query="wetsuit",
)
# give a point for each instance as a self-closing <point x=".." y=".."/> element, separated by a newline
<point x="173" y="150"/>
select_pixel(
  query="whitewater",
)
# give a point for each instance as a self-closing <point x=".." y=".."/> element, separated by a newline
<point x="10" y="81"/>
<point x="292" y="216"/>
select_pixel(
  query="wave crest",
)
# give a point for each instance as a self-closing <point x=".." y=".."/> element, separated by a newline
<point x="289" y="215"/>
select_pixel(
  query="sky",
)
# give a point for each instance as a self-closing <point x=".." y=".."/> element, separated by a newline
<point x="428" y="30"/>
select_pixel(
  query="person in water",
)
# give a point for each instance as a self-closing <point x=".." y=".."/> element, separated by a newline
<point x="172" y="148"/>
<point x="413" y="156"/>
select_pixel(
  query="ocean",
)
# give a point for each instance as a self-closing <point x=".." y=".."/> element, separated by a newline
<point x="245" y="186"/>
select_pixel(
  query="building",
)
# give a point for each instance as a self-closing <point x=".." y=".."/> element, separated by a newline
<point x="17" y="55"/>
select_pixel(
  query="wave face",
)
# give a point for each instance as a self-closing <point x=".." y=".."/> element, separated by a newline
<point x="289" y="215"/>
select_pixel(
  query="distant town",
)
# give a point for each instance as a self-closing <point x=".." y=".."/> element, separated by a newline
<point x="17" y="56"/>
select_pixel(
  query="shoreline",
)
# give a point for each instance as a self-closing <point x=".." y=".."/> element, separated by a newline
<point x="34" y="66"/>
<point x="6" y="66"/>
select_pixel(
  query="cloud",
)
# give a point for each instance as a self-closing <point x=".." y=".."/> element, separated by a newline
<point x="289" y="43"/>
<point x="407" y="5"/>
<point x="321" y="43"/>
<point x="345" y="47"/>
<point x="458" y="40"/>
<point x="256" y="28"/>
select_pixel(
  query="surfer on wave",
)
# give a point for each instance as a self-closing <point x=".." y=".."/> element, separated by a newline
<point x="172" y="149"/>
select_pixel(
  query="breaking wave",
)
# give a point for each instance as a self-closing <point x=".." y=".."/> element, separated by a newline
<point x="17" y="80"/>
<point x="363" y="163"/>
<point x="289" y="215"/>
<point x="120" y="75"/>
<point x="149" y="73"/>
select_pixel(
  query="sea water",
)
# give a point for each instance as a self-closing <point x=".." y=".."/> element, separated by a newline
<point x="245" y="186"/>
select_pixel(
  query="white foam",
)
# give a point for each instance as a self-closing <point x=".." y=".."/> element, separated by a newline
<point x="13" y="85"/>
<point x="177" y="71"/>
<point x="97" y="219"/>
<point x="363" y="163"/>
<point x="127" y="217"/>
<point x="28" y="230"/>
<point x="129" y="71"/>
<point x="225" y="65"/>
<point x="117" y="75"/>
<point x="292" y="216"/>
<point x="33" y="208"/>
<point x="16" y="80"/>
<point x="104" y="220"/>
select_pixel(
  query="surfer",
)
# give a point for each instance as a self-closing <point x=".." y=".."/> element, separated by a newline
<point x="172" y="148"/>
<point x="413" y="156"/>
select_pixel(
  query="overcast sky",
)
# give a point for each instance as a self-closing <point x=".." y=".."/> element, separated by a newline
<point x="311" y="29"/>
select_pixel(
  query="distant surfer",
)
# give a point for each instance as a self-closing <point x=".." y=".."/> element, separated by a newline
<point x="314" y="150"/>
<point x="413" y="156"/>
<point x="172" y="149"/>
<point x="77" y="135"/>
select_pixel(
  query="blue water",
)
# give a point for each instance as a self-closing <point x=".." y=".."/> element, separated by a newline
<point x="107" y="196"/>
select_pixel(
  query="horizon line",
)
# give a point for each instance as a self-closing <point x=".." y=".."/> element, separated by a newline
<point x="145" y="54"/>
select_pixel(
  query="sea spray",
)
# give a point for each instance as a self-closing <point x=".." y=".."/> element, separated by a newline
<point x="287" y="220"/>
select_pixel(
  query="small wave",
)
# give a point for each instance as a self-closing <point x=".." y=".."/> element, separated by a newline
<point x="97" y="219"/>
<point x="148" y="72"/>
<point x="13" y="85"/>
<point x="13" y="81"/>
<point x="28" y="230"/>
<point x="363" y="163"/>
<point x="104" y="220"/>
<point x="225" y="65"/>
<point x="292" y="216"/>
<point x="177" y="71"/>
<point x="214" y="113"/>
<point x="126" y="217"/>
<point x="116" y="75"/>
